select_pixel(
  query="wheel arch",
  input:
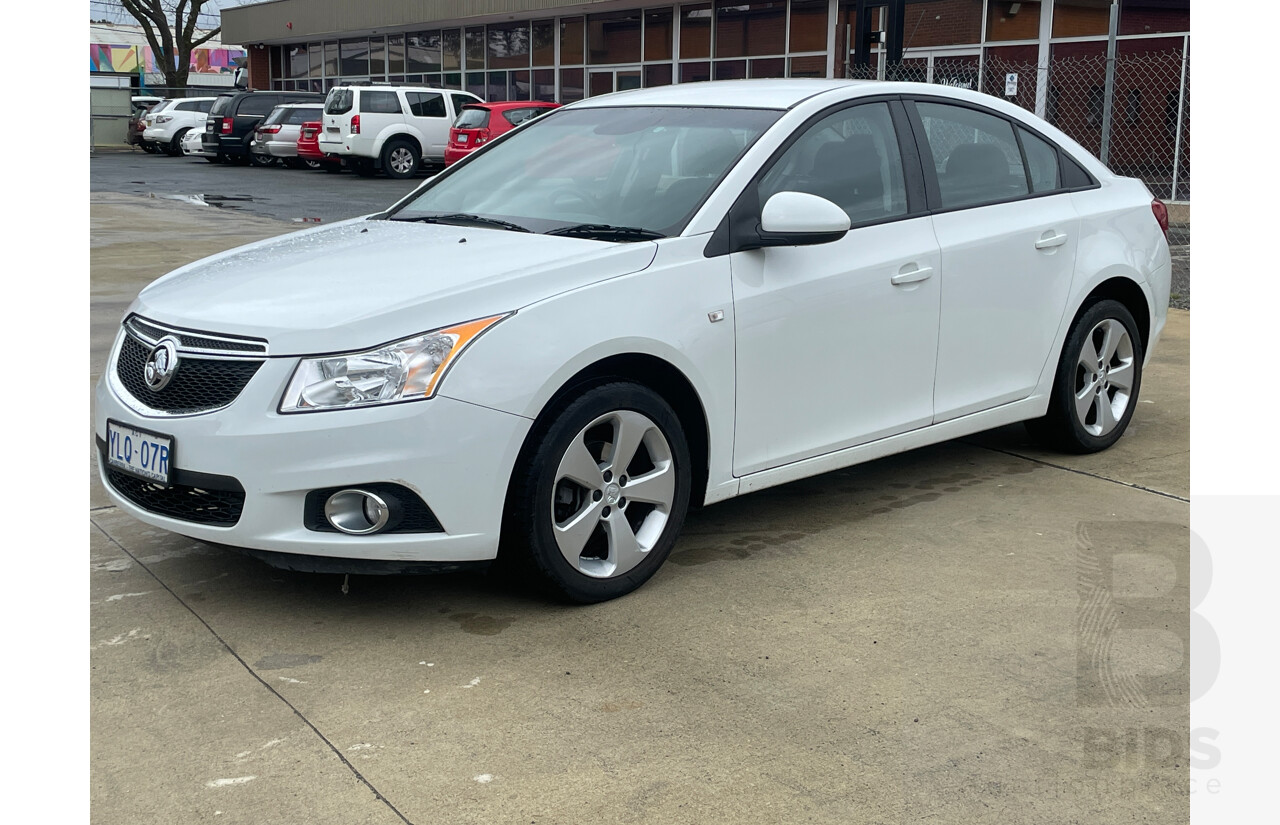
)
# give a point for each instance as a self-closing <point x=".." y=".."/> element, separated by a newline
<point x="651" y="371"/>
<point x="1130" y="294"/>
<point x="396" y="132"/>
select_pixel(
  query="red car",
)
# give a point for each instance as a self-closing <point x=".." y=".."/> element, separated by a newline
<point x="481" y="122"/>
<point x="309" y="149"/>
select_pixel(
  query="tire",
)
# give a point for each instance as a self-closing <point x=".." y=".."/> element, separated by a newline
<point x="569" y="520"/>
<point x="363" y="167"/>
<point x="149" y="147"/>
<point x="261" y="161"/>
<point x="333" y="167"/>
<point x="1096" y="385"/>
<point x="400" y="159"/>
<point x="311" y="164"/>
<point x="175" y="145"/>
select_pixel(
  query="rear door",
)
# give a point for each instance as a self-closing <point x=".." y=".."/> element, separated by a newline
<point x="252" y="109"/>
<point x="428" y="113"/>
<point x="1008" y="235"/>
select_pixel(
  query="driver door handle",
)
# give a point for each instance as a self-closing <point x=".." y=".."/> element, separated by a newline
<point x="916" y="275"/>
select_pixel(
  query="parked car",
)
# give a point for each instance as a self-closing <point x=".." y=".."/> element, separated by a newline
<point x="166" y="127"/>
<point x="138" y="125"/>
<point x="192" y="141"/>
<point x="276" y="138"/>
<point x="666" y="297"/>
<point x="309" y="148"/>
<point x="393" y="128"/>
<point x="234" y="116"/>
<point x="479" y="123"/>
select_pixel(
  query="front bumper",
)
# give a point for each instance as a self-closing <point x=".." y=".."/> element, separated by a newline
<point x="456" y="456"/>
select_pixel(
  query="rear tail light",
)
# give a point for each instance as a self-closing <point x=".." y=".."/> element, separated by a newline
<point x="1162" y="215"/>
<point x="355" y="124"/>
<point x="226" y="125"/>
<point x="482" y="135"/>
<point x="269" y="130"/>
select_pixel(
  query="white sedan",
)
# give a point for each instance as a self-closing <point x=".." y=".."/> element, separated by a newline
<point x="191" y="146"/>
<point x="638" y="303"/>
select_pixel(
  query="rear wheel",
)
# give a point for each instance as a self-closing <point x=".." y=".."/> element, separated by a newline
<point x="312" y="164"/>
<point x="363" y="167"/>
<point x="400" y="159"/>
<point x="261" y="160"/>
<point x="1095" y="388"/>
<point x="597" y="502"/>
<point x="175" y="145"/>
<point x="149" y="147"/>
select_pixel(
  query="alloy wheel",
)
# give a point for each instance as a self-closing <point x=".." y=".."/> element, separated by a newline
<point x="1104" y="377"/>
<point x="401" y="160"/>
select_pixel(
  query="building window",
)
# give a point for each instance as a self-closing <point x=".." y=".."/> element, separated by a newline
<point x="748" y="29"/>
<point x="613" y="38"/>
<point x="657" y="34"/>
<point x="1012" y="20"/>
<point x="695" y="32"/>
<point x="508" y="46"/>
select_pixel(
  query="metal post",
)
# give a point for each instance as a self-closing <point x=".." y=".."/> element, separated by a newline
<point x="1109" y="93"/>
<point x="1042" y="58"/>
<point x="1177" y="140"/>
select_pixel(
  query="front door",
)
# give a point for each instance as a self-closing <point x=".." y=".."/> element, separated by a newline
<point x="837" y="343"/>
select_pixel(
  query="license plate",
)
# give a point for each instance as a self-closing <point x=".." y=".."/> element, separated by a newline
<point x="140" y="452"/>
<point x="463" y="138"/>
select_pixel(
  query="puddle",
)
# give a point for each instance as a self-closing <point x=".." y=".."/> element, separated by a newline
<point x="220" y="201"/>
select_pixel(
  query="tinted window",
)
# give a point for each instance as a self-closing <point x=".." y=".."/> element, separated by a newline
<point x="277" y="115"/>
<point x="1042" y="161"/>
<point x="472" y="118"/>
<point x="338" y="102"/>
<point x="302" y="114"/>
<point x="974" y="154"/>
<point x="517" y="116"/>
<point x="220" y="105"/>
<point x="851" y="158"/>
<point x="252" y="105"/>
<point x="426" y="104"/>
<point x="386" y="103"/>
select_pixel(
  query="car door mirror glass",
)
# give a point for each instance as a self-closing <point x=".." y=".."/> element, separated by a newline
<point x="798" y="218"/>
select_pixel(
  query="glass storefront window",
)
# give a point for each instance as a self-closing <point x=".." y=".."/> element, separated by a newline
<point x="518" y="85"/>
<point x="571" y="35"/>
<point x="571" y="88"/>
<point x="395" y="54"/>
<point x="451" y="51"/>
<point x="953" y="23"/>
<point x="496" y="90"/>
<point x="316" y="53"/>
<point x="695" y="72"/>
<point x="658" y="74"/>
<point x="378" y="56"/>
<point x="299" y="61"/>
<point x="808" y="66"/>
<point x="730" y="69"/>
<point x="544" y="85"/>
<point x="1013" y="21"/>
<point x="769" y="67"/>
<point x="477" y="84"/>
<point x="422" y="52"/>
<point x="613" y="37"/>
<point x="474" y="38"/>
<point x="695" y="32"/>
<point x="657" y="34"/>
<point x="1154" y="16"/>
<point x="331" y="59"/>
<point x="355" y="58"/>
<point x="750" y="28"/>
<point x="508" y="46"/>
<point x="277" y="61"/>
<point x="809" y="25"/>
<point x="544" y="42"/>
<point x="1081" y="18"/>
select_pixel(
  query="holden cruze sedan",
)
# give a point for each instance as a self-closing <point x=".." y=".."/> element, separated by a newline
<point x="637" y="303"/>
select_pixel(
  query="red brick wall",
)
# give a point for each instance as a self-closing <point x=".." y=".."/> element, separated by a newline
<point x="259" y="67"/>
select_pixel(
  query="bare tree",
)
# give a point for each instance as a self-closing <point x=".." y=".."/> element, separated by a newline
<point x="170" y="27"/>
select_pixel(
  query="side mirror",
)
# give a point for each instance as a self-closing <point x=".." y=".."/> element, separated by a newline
<point x="801" y="219"/>
<point x="240" y="78"/>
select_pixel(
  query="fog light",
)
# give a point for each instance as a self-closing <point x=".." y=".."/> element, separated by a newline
<point x="357" y="512"/>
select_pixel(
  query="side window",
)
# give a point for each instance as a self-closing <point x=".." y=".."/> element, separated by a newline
<point x="426" y="104"/>
<point x="460" y="100"/>
<point x="299" y="115"/>
<point x="517" y="116"/>
<point x="256" y="105"/>
<point x="204" y="106"/>
<point x="975" y="155"/>
<point x="383" y="103"/>
<point x="1042" y="162"/>
<point x="851" y="158"/>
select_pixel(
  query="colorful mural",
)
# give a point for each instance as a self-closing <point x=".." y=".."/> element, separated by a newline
<point x="104" y="57"/>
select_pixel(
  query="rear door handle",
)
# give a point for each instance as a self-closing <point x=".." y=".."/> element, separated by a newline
<point x="1049" y="241"/>
<point x="916" y="275"/>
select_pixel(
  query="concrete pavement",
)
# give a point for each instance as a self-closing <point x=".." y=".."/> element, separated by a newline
<point x="973" y="632"/>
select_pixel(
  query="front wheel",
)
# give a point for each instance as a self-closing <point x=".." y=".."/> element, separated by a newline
<point x="175" y="145"/>
<point x="597" y="502"/>
<point x="1095" y="388"/>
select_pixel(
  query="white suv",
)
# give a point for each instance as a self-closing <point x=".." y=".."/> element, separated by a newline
<point x="393" y="128"/>
<point x="167" y="125"/>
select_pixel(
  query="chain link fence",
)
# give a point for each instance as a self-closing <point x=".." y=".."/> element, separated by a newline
<point x="1148" y="132"/>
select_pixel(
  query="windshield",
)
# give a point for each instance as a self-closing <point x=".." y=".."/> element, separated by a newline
<point x="637" y="167"/>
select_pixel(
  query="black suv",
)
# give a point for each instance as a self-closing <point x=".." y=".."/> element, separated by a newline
<point x="233" y="117"/>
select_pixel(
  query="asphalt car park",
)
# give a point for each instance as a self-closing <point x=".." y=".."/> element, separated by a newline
<point x="905" y="639"/>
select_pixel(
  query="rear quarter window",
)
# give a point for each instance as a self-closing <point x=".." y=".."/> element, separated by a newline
<point x="220" y="105"/>
<point x="384" y="103"/>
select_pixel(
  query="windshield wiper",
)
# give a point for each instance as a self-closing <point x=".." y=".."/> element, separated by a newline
<point x="606" y="232"/>
<point x="463" y="217"/>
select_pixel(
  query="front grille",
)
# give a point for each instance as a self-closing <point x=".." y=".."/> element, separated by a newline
<point x="152" y="333"/>
<point x="189" y="503"/>
<point x="198" y="385"/>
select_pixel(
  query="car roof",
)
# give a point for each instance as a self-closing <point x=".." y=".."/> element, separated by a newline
<point x="749" y="94"/>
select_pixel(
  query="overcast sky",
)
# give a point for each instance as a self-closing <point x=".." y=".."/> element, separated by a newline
<point x="112" y="10"/>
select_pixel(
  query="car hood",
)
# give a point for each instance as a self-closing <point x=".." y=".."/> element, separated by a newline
<point x="363" y="282"/>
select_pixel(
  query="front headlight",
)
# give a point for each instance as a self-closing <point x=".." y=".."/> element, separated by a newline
<point x="408" y="370"/>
